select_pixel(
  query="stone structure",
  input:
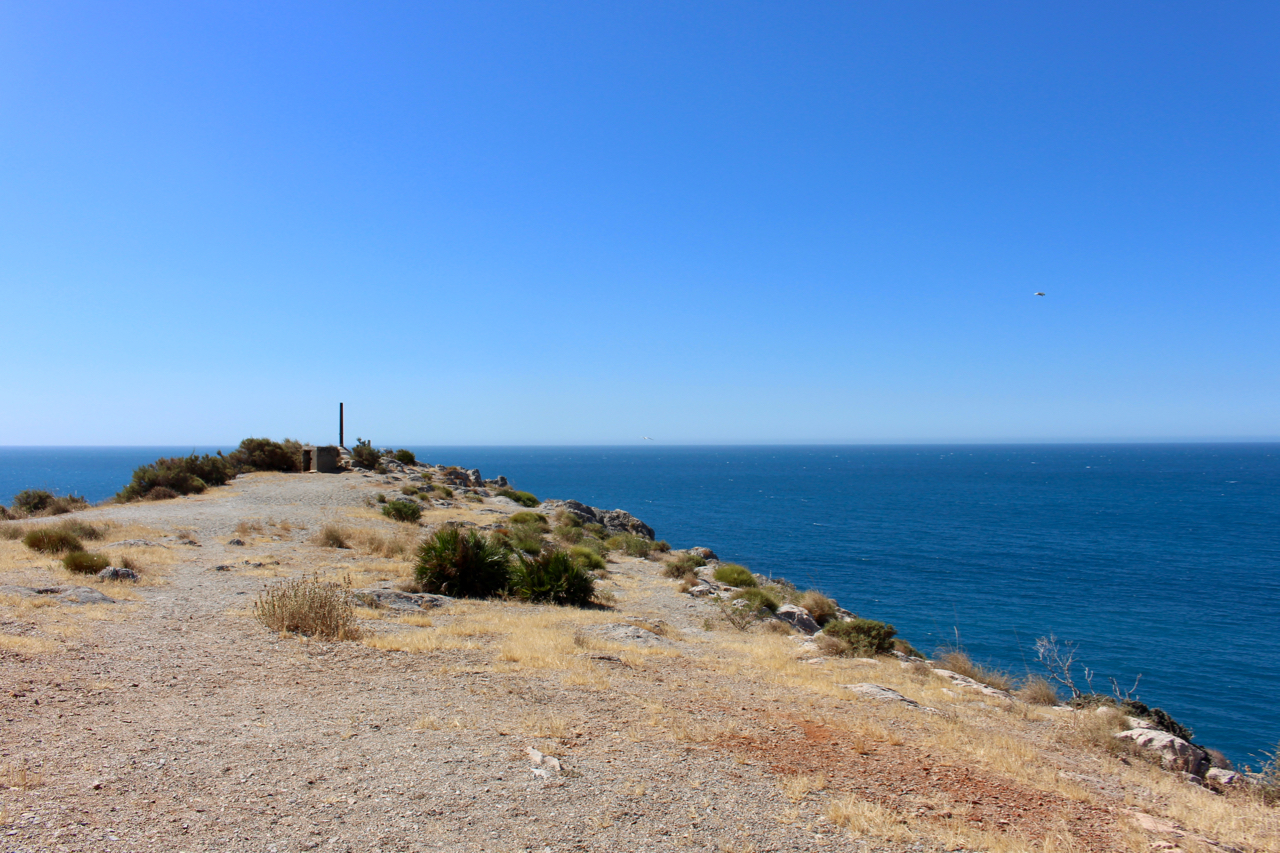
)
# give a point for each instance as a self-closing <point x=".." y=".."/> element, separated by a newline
<point x="320" y="460"/>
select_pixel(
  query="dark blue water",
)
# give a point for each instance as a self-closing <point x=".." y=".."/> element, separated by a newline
<point x="1162" y="560"/>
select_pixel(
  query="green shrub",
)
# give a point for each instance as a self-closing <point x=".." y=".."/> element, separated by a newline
<point x="633" y="545"/>
<point x="864" y="637"/>
<point x="901" y="645"/>
<point x="310" y="607"/>
<point x="525" y="537"/>
<point x="443" y="491"/>
<point x="32" y="501"/>
<point x="40" y="502"/>
<point x="757" y="598"/>
<point x="160" y="493"/>
<point x="682" y="564"/>
<point x="552" y="577"/>
<point x="567" y="519"/>
<point x="83" y="530"/>
<point x="402" y="511"/>
<point x="594" y="545"/>
<point x="52" y="540"/>
<point x="380" y="498"/>
<point x="526" y="517"/>
<point x="405" y="457"/>
<point x="662" y="546"/>
<point x="84" y="563"/>
<point x="572" y="535"/>
<point x="587" y="558"/>
<point x="263" y="454"/>
<point x="183" y="475"/>
<point x="408" y="490"/>
<point x="364" y="456"/>
<point x="463" y="565"/>
<point x="522" y="498"/>
<point x="735" y="575"/>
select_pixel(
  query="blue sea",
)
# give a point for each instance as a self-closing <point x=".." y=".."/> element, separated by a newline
<point x="1159" y="560"/>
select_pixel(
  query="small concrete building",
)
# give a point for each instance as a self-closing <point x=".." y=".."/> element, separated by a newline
<point x="320" y="460"/>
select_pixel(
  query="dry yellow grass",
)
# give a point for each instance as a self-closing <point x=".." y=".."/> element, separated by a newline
<point x="27" y="646"/>
<point x="795" y="788"/>
<point x="863" y="818"/>
<point x="19" y="777"/>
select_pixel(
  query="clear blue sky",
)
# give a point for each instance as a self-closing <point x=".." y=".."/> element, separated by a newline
<point x="568" y="223"/>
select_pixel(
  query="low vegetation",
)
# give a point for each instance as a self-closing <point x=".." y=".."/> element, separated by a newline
<point x="551" y="577"/>
<point x="821" y="608"/>
<point x="735" y="575"/>
<point x="587" y="558"/>
<point x="856" y="637"/>
<point x="84" y="563"/>
<point x="399" y="510"/>
<point x="263" y="454"/>
<point x="332" y="536"/>
<point x="462" y="564"/>
<point x="522" y="498"/>
<point x="310" y="607"/>
<point x="52" y="540"/>
<point x="38" y="502"/>
<point x="363" y="455"/>
<point x="758" y="599"/>
<point x="958" y="661"/>
<point x="179" y="475"/>
<point x="405" y="457"/>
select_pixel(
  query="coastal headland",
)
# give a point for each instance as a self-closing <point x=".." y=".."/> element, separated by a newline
<point x="672" y="712"/>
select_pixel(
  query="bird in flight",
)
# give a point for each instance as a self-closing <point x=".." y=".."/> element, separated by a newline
<point x="1040" y="293"/>
<point x="646" y="438"/>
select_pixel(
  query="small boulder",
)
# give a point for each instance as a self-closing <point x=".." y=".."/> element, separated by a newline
<point x="965" y="681"/>
<point x="394" y="599"/>
<point x="797" y="617"/>
<point x="235" y="542"/>
<point x="877" y="693"/>
<point x="84" y="595"/>
<point x="1175" y="753"/>
<point x="620" y="632"/>
<point x="1225" y="778"/>
<point x="113" y="573"/>
<point x="705" y="553"/>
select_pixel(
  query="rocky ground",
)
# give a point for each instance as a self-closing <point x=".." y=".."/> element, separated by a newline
<point x="168" y="718"/>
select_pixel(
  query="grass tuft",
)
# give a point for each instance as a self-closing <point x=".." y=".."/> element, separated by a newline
<point x="735" y="575"/>
<point x="84" y="563"/>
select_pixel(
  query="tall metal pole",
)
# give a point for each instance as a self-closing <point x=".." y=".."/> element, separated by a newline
<point x="341" y="441"/>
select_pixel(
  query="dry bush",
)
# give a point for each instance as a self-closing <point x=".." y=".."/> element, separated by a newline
<point x="821" y="608"/>
<point x="1097" y="728"/>
<point x="12" y="531"/>
<point x="959" y="662"/>
<point x="249" y="528"/>
<point x="310" y="607"/>
<point x="1037" y="690"/>
<point x="397" y="544"/>
<point x="800" y="785"/>
<point x="332" y="536"/>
